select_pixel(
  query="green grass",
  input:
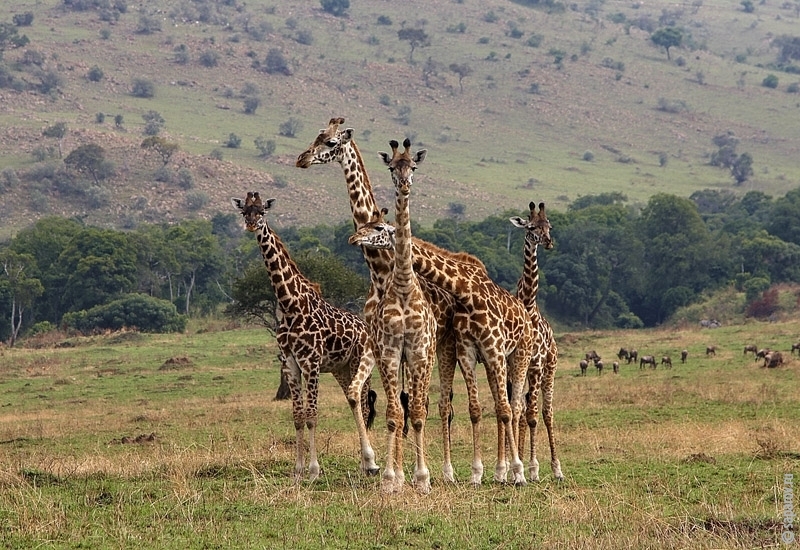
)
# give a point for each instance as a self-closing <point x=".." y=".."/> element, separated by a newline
<point x="688" y="457"/>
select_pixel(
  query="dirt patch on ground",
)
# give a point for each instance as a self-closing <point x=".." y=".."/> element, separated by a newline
<point x="176" y="363"/>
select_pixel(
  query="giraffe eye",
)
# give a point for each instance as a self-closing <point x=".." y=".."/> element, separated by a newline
<point x="330" y="143"/>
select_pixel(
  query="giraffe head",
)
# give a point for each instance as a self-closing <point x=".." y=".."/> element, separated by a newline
<point x="328" y="145"/>
<point x="252" y="209"/>
<point x="537" y="226"/>
<point x="402" y="165"/>
<point x="376" y="234"/>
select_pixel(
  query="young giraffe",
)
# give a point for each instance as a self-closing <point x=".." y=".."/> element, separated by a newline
<point x="334" y="145"/>
<point x="537" y="231"/>
<point x="313" y="337"/>
<point x="407" y="329"/>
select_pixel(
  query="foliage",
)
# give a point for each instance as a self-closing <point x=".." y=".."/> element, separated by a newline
<point x="142" y="87"/>
<point x="765" y="306"/>
<point x="770" y="81"/>
<point x="667" y="37"/>
<point x="209" y="58"/>
<point x="164" y="148"/>
<point x="233" y="141"/>
<point x="135" y="311"/>
<point x="335" y="7"/>
<point x="91" y="159"/>
<point x="291" y="127"/>
<point x="95" y="74"/>
<point x="416" y="38"/>
<point x="275" y="63"/>
<point x="266" y="147"/>
<point x="23" y="19"/>
<point x="251" y="103"/>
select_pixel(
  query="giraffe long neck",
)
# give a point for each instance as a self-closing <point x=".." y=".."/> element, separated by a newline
<point x="359" y="188"/>
<point x="403" y="256"/>
<point x="528" y="285"/>
<point x="288" y="283"/>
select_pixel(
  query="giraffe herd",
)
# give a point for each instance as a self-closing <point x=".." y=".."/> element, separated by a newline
<point x="425" y="304"/>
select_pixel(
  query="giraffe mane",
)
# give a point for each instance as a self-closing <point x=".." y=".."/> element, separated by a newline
<point x="461" y="257"/>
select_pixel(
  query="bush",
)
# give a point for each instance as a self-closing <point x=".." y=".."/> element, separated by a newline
<point x="764" y="306"/>
<point x="265" y="146"/>
<point x="276" y="63"/>
<point x="209" y="58"/>
<point x="588" y="156"/>
<point x="234" y="141"/>
<point x="628" y="320"/>
<point x="100" y="118"/>
<point x="23" y="19"/>
<point x="335" y="7"/>
<point x="793" y="88"/>
<point x="251" y="103"/>
<point x="95" y="74"/>
<point x="185" y="179"/>
<point x="291" y="127"/>
<point x="770" y="81"/>
<point x="196" y="200"/>
<point x="141" y="87"/>
<point x="137" y="311"/>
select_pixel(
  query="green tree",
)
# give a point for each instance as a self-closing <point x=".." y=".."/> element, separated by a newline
<point x="784" y="218"/>
<point x="463" y="70"/>
<point x="742" y="168"/>
<point x="667" y="37"/>
<point x="45" y="240"/>
<point x="197" y="254"/>
<point x="89" y="158"/>
<point x="97" y="266"/>
<point x="22" y="288"/>
<point x="139" y="311"/>
<point x="416" y="38"/>
<point x="164" y="148"/>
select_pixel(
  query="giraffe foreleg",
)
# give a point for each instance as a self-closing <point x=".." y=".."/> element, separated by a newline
<point x="393" y="477"/>
<point x="356" y="398"/>
<point x="532" y="418"/>
<point x="547" y="413"/>
<point x="312" y="394"/>
<point x="293" y="378"/>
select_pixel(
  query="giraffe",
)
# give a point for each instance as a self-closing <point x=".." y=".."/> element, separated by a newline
<point x="537" y="231"/>
<point x="335" y="145"/>
<point x="313" y="337"/>
<point x="407" y="329"/>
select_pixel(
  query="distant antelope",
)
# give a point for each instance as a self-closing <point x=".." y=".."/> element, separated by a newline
<point x="760" y="354"/>
<point x="666" y="360"/>
<point x="647" y="360"/>
<point x="711" y="350"/>
<point x="615" y="366"/>
<point x="795" y="347"/>
<point x="684" y="355"/>
<point x="633" y="355"/>
<point x="622" y="354"/>
<point x="584" y="365"/>
<point x="599" y="364"/>
<point x="592" y="356"/>
<point x="750" y="348"/>
<point x="773" y="359"/>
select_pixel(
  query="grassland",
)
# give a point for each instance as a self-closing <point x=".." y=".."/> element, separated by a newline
<point x="692" y="457"/>
<point x="493" y="146"/>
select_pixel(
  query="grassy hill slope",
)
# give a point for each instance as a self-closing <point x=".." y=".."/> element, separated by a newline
<point x="518" y="131"/>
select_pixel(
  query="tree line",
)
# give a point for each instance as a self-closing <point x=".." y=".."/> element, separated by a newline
<point x="614" y="264"/>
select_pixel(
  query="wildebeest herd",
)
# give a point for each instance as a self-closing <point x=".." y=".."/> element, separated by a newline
<point x="771" y="358"/>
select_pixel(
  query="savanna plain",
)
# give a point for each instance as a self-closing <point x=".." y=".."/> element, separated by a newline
<point x="131" y="440"/>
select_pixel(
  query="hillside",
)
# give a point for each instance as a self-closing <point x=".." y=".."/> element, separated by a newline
<point x="544" y="90"/>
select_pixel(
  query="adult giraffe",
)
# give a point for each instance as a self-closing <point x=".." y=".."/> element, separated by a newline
<point x="335" y="145"/>
<point x="313" y="337"/>
<point x="537" y="232"/>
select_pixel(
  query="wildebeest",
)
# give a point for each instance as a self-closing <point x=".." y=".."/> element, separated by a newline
<point x="633" y="355"/>
<point x="584" y="365"/>
<point x="795" y="347"/>
<point x="599" y="364"/>
<point x="711" y="350"/>
<point x="666" y="360"/>
<point x="684" y="355"/>
<point x="622" y="354"/>
<point x="647" y="360"/>
<point x="592" y="356"/>
<point x="760" y="354"/>
<point x="773" y="359"/>
<point x="615" y="366"/>
<point x="750" y="348"/>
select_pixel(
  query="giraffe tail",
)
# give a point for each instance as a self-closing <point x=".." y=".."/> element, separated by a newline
<point x="372" y="397"/>
<point x="404" y="403"/>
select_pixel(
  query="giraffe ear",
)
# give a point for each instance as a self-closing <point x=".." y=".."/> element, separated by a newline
<point x="420" y="155"/>
<point x="385" y="156"/>
<point x="237" y="203"/>
<point x="347" y="135"/>
<point x="518" y="222"/>
<point x="268" y="204"/>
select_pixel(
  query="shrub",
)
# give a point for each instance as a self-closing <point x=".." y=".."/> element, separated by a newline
<point x="770" y="81"/>
<point x="209" y="58"/>
<point x="588" y="156"/>
<point x="305" y="37"/>
<point x="628" y="320"/>
<point x="793" y="88"/>
<point x="185" y="179"/>
<point x="335" y="7"/>
<point x="251" y="103"/>
<point x="196" y="200"/>
<point x="137" y="311"/>
<point x="216" y="154"/>
<point x="23" y="19"/>
<point x="95" y="74"/>
<point x="181" y="54"/>
<point x="100" y="118"/>
<point x="384" y="20"/>
<point x="105" y="33"/>
<point x="276" y="63"/>
<point x="765" y="306"/>
<point x="234" y="141"/>
<point x="290" y="128"/>
<point x="265" y="146"/>
<point x="98" y="197"/>
<point x="142" y="87"/>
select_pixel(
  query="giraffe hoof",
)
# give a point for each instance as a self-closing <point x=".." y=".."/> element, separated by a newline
<point x="372" y="471"/>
